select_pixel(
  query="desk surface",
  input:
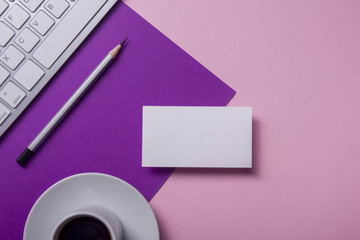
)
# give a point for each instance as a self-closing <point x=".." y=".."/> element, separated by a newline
<point x="297" y="63"/>
<point x="103" y="133"/>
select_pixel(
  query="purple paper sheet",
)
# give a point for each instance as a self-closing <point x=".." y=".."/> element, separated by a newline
<point x="103" y="133"/>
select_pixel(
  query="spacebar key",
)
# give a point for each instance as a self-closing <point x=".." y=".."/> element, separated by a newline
<point x="66" y="31"/>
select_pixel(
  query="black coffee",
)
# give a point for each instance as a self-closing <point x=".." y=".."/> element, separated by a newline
<point x="84" y="228"/>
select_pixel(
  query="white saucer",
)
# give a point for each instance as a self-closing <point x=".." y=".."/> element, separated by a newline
<point x="72" y="193"/>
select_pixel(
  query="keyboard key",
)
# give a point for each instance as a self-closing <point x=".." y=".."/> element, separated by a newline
<point x="32" y="5"/>
<point x="4" y="113"/>
<point x="42" y="23"/>
<point x="66" y="31"/>
<point x="12" y="57"/>
<point x="27" y="40"/>
<point x="12" y="94"/>
<point x="29" y="74"/>
<point x="3" y="6"/>
<point x="4" y="74"/>
<point x="57" y="7"/>
<point x="17" y="16"/>
<point x="6" y="34"/>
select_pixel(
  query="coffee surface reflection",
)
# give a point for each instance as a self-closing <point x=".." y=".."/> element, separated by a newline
<point x="84" y="228"/>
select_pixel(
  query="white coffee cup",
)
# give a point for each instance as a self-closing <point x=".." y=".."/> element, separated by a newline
<point x="103" y="215"/>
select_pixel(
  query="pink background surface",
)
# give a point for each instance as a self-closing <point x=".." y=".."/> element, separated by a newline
<point x="297" y="63"/>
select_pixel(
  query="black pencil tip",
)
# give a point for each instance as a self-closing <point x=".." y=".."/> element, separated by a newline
<point x="122" y="43"/>
<point x="24" y="157"/>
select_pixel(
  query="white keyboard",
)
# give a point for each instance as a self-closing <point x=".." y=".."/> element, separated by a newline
<point x="36" y="38"/>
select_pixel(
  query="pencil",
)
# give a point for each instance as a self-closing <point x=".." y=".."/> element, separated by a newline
<point x="66" y="108"/>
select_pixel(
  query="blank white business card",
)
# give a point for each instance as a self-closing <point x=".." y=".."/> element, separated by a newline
<point x="219" y="137"/>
